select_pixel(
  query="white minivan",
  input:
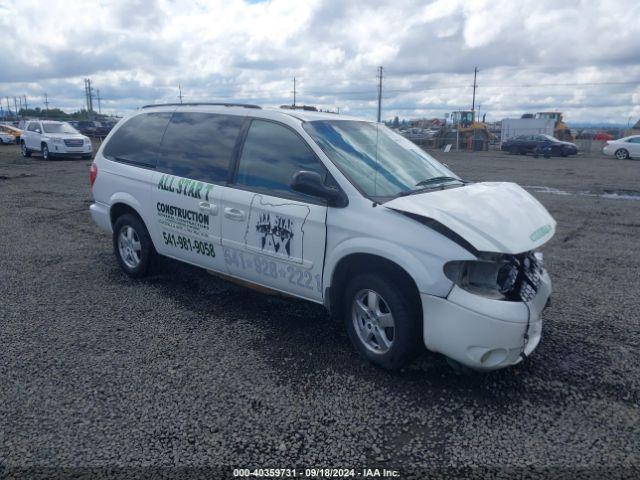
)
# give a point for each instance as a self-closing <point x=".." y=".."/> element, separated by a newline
<point x="335" y="210"/>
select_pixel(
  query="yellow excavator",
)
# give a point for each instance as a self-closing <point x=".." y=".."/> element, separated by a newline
<point x="560" y="130"/>
<point x="469" y="133"/>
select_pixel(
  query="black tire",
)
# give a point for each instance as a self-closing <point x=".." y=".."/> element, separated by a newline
<point x="46" y="154"/>
<point x="522" y="151"/>
<point x="25" y="151"/>
<point x="407" y="340"/>
<point x="564" y="153"/>
<point x="622" y="154"/>
<point x="147" y="251"/>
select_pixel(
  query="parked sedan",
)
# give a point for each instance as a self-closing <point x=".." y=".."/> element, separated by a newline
<point x="7" y="138"/>
<point x="627" y="147"/>
<point x="539" y="145"/>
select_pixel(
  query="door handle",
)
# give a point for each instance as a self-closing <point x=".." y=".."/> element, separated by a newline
<point x="209" y="208"/>
<point x="234" y="214"/>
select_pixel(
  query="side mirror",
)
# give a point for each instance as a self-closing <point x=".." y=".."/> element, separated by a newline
<point x="311" y="183"/>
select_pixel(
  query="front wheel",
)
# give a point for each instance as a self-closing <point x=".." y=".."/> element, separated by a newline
<point x="45" y="152"/>
<point x="383" y="321"/>
<point x="132" y="245"/>
<point x="25" y="151"/>
<point x="622" y="154"/>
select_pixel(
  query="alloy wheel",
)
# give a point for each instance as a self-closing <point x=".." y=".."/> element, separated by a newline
<point x="129" y="246"/>
<point x="373" y="321"/>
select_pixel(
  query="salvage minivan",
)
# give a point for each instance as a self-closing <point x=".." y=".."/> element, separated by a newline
<point x="335" y="210"/>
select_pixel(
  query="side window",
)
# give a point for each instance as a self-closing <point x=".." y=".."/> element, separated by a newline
<point x="138" y="140"/>
<point x="272" y="153"/>
<point x="634" y="140"/>
<point x="32" y="126"/>
<point x="199" y="145"/>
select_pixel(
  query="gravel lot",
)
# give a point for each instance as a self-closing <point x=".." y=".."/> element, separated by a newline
<point x="185" y="369"/>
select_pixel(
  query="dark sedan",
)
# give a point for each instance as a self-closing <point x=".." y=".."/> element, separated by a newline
<point x="539" y="145"/>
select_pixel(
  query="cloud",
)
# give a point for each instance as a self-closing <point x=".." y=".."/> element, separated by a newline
<point x="532" y="54"/>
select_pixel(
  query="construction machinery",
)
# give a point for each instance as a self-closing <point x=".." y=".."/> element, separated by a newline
<point x="560" y="130"/>
<point x="465" y="132"/>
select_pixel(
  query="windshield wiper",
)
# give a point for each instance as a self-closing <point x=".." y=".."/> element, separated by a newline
<point x="429" y="184"/>
<point x="430" y="181"/>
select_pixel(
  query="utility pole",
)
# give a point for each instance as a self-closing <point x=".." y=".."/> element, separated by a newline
<point x="473" y="102"/>
<point x="8" y="106"/>
<point x="46" y="103"/>
<point x="99" y="106"/>
<point x="21" y="107"/>
<point x="294" y="92"/>
<point x="379" y="93"/>
<point x="180" y="92"/>
<point x="15" y="104"/>
<point x="89" y="94"/>
<point x="25" y="103"/>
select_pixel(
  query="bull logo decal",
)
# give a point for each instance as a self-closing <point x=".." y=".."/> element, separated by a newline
<point x="275" y="233"/>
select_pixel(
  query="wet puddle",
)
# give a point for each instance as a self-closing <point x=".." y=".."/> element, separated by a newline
<point x="609" y="194"/>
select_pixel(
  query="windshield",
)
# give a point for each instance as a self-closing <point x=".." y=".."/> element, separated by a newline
<point x="58" y="128"/>
<point x="379" y="162"/>
<point x="549" y="137"/>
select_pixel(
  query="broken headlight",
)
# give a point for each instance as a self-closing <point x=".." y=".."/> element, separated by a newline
<point x="496" y="276"/>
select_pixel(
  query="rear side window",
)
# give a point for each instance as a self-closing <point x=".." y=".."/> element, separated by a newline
<point x="271" y="155"/>
<point x="199" y="145"/>
<point x="138" y="140"/>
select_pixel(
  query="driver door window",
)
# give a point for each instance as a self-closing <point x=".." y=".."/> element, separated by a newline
<point x="271" y="155"/>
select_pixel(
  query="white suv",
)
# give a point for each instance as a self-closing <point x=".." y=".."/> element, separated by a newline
<point x="335" y="210"/>
<point x="54" y="139"/>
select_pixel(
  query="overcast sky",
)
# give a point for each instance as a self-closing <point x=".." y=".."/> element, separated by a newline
<point x="579" y="57"/>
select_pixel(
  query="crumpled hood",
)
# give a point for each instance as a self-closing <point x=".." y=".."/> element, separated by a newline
<point x="496" y="217"/>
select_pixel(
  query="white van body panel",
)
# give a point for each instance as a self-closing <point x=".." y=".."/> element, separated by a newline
<point x="492" y="216"/>
<point x="379" y="231"/>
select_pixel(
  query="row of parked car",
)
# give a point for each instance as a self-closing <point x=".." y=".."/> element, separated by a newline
<point x="546" y="145"/>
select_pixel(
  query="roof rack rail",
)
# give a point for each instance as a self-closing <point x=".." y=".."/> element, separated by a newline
<point x="194" y="104"/>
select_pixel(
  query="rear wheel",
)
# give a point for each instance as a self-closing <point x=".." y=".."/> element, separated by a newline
<point x="25" y="151"/>
<point x="132" y="245"/>
<point x="383" y="321"/>
<point x="622" y="154"/>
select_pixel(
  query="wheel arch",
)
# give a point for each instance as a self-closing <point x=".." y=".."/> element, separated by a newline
<point x="125" y="203"/>
<point x="354" y="263"/>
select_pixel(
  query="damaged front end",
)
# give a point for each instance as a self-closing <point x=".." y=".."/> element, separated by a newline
<point x="513" y="278"/>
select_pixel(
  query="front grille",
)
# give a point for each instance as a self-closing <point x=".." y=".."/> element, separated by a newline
<point x="530" y="277"/>
<point x="74" y="143"/>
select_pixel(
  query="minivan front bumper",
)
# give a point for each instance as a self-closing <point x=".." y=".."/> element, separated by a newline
<point x="482" y="333"/>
